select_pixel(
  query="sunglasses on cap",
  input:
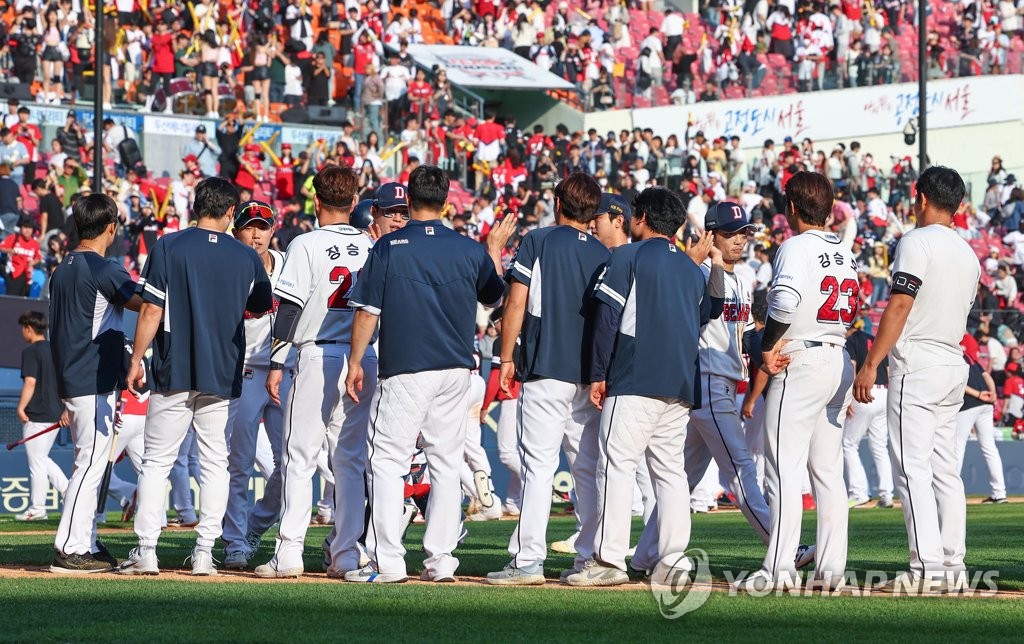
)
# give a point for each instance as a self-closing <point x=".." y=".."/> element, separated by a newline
<point x="251" y="211"/>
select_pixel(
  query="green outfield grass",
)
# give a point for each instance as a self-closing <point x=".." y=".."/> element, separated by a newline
<point x="172" y="607"/>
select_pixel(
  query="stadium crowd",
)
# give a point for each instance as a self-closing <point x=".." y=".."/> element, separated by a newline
<point x="208" y="57"/>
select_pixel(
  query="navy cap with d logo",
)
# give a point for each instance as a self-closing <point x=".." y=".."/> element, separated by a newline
<point x="727" y="217"/>
<point x="615" y="206"/>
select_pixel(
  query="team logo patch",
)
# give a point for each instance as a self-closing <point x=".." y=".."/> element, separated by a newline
<point x="247" y="373"/>
<point x="583" y="236"/>
<point x="395" y="242"/>
<point x="213" y="238"/>
<point x="429" y="230"/>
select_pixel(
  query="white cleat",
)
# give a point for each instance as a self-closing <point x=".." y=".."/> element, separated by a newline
<point x="804" y="556"/>
<point x="270" y="570"/>
<point x="492" y="513"/>
<point x="139" y="563"/>
<point x="202" y="563"/>
<point x="567" y="546"/>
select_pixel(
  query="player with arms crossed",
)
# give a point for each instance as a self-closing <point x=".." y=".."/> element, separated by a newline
<point x="244" y="524"/>
<point x="422" y="283"/>
<point x="934" y="282"/>
<point x="811" y="304"/>
<point x="318" y="276"/>
<point x="652" y="305"/>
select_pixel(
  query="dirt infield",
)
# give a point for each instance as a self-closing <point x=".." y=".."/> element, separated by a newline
<point x="231" y="576"/>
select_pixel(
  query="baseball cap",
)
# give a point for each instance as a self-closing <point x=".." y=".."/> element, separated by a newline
<point x="190" y="158"/>
<point x="201" y="128"/>
<point x="615" y="206"/>
<point x="250" y="211"/>
<point x="391" y="195"/>
<point x="726" y="216"/>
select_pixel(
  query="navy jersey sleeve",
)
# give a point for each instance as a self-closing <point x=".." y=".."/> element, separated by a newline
<point x="521" y="269"/>
<point x="261" y="297"/>
<point x="857" y="347"/>
<point x="754" y="348"/>
<point x="710" y="308"/>
<point x="615" y="281"/>
<point x="154" y="275"/>
<point x="30" y="367"/>
<point x="114" y="282"/>
<point x="489" y="285"/>
<point x="368" y="293"/>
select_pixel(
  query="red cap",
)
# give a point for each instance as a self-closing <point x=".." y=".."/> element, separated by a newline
<point x="286" y="146"/>
<point x="709" y="193"/>
<point x="252" y="147"/>
<point x="191" y="158"/>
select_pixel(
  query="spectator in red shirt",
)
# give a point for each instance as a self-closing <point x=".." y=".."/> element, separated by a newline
<point x="250" y="171"/>
<point x="420" y="93"/>
<point x="163" y="55"/>
<point x="29" y="135"/>
<point x="23" y="253"/>
<point x="363" y="54"/>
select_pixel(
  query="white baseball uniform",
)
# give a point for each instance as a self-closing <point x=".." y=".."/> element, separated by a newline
<point x="244" y="416"/>
<point x="867" y="418"/>
<point x="814" y="290"/>
<point x="927" y="376"/>
<point x="475" y="456"/>
<point x="319" y="274"/>
<point x="979" y="418"/>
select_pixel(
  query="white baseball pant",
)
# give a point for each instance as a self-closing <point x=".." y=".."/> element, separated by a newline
<point x="431" y="403"/>
<point x="129" y="441"/>
<point x="868" y="418"/>
<point x="318" y="409"/>
<point x="184" y="469"/>
<point x="325" y="504"/>
<point x="980" y="419"/>
<point x="804" y="417"/>
<point x="716" y="431"/>
<point x="91" y="420"/>
<point x="753" y="432"/>
<point x="635" y="428"/>
<point x="244" y="415"/>
<point x="475" y="458"/>
<point x="644" y="489"/>
<point x="508" y="451"/>
<point x="170" y="417"/>
<point x="553" y="413"/>
<point x="265" y="459"/>
<point x="42" y="470"/>
<point x="922" y="408"/>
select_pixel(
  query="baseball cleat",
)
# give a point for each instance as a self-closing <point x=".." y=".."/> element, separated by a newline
<point x="511" y="509"/>
<point x="567" y="573"/>
<point x="236" y="561"/>
<point x="884" y="501"/>
<point x="368" y="575"/>
<point x="364" y="556"/>
<point x="568" y="546"/>
<point x="437" y="579"/>
<point x="596" y="574"/>
<point x="270" y="570"/>
<point x="202" y="563"/>
<point x="139" y="562"/>
<point x="994" y="500"/>
<point x="323" y="519"/>
<point x="183" y="521"/>
<point x="859" y="502"/>
<point x="674" y="577"/>
<point x="128" y="509"/>
<point x="76" y="564"/>
<point x="761" y="581"/>
<point x="492" y="513"/>
<point x="31" y="515"/>
<point x="102" y="554"/>
<point x="252" y="540"/>
<point x="804" y="556"/>
<point x="513" y="576"/>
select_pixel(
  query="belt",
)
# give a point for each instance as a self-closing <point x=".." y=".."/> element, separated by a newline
<point x="812" y="344"/>
<point x="323" y="342"/>
<point x="880" y="387"/>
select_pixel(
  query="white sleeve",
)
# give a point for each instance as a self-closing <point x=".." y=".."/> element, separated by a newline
<point x="784" y="295"/>
<point x="295" y="282"/>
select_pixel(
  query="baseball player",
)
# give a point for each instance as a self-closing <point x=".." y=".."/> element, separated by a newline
<point x="422" y="283"/>
<point x="644" y="378"/>
<point x="387" y="212"/>
<point x="198" y="283"/>
<point x="87" y="296"/>
<point x="315" y="315"/>
<point x="934" y="283"/>
<point x="476" y="469"/>
<point x="977" y="413"/>
<point x="811" y="304"/>
<point x="867" y="418"/>
<point x="39" y="407"/>
<point x="253" y="225"/>
<point x="508" y="451"/>
<point x="553" y="366"/>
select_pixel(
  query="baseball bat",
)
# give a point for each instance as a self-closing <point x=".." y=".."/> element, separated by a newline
<point x="101" y="502"/>
<point x="49" y="429"/>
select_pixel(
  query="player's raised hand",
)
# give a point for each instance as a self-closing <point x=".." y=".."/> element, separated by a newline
<point x="507" y="373"/>
<point x="498" y="238"/>
<point x="700" y="247"/>
<point x="863" y="383"/>
<point x="274" y="385"/>
<point x="354" y="380"/>
<point x="136" y="376"/>
<point x="373" y="231"/>
<point x="598" y="392"/>
<point x="774" y="362"/>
